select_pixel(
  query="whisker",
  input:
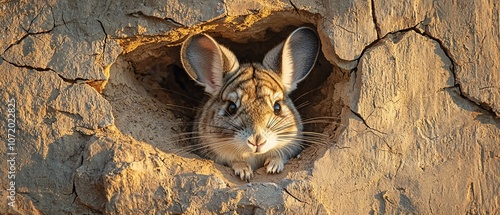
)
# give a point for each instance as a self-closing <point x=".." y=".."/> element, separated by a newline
<point x="271" y="121"/>
<point x="331" y="123"/>
<point x="284" y="127"/>
<point x="305" y="136"/>
<point x="235" y="126"/>
<point x="302" y="105"/>
<point x="196" y="138"/>
<point x="276" y="121"/>
<point x="187" y="108"/>
<point x="243" y="121"/>
<point x="305" y="140"/>
<point x="325" y="118"/>
<point x="312" y="133"/>
<point x="291" y="148"/>
<point x="209" y="147"/>
<point x="196" y="135"/>
<point x="218" y="147"/>
<point x="213" y="145"/>
<point x="175" y="92"/>
<point x="304" y="94"/>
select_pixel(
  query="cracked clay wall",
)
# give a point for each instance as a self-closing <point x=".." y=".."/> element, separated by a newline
<point x="87" y="127"/>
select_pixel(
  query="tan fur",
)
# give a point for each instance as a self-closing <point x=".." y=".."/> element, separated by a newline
<point x="255" y="90"/>
<point x="255" y="135"/>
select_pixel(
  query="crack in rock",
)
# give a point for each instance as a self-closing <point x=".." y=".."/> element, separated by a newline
<point x="41" y="10"/>
<point x="29" y="28"/>
<point x="25" y="36"/>
<point x="472" y="204"/>
<point x="105" y="39"/>
<point x="294" y="7"/>
<point x="74" y="192"/>
<point x="27" y="66"/>
<point x="345" y="29"/>
<point x="69" y="114"/>
<point x="41" y="69"/>
<point x="80" y="81"/>
<point x="374" y="17"/>
<point x="293" y="196"/>
<point x="168" y="20"/>
<point x="364" y="121"/>
<point x="448" y="54"/>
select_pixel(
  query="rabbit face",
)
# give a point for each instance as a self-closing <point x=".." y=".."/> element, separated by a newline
<point x="249" y="120"/>
<point x="253" y="113"/>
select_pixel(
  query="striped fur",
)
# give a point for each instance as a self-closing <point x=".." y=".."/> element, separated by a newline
<point x="255" y="134"/>
<point x="254" y="90"/>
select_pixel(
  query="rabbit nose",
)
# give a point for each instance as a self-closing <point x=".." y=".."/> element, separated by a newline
<point x="258" y="140"/>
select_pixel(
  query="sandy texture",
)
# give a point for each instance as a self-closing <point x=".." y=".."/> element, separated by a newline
<point x="102" y="108"/>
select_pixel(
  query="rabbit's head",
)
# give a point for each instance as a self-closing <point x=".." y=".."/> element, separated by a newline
<point x="249" y="113"/>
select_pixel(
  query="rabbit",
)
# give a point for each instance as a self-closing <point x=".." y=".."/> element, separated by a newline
<point x="249" y="121"/>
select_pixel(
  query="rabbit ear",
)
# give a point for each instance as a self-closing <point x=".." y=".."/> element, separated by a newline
<point x="295" y="57"/>
<point x="207" y="62"/>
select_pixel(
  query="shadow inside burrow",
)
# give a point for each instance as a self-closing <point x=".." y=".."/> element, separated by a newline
<point x="157" y="69"/>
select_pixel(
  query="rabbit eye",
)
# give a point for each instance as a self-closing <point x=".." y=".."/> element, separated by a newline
<point x="277" y="108"/>
<point x="231" y="108"/>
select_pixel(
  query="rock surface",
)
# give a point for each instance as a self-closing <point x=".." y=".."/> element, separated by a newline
<point x="102" y="106"/>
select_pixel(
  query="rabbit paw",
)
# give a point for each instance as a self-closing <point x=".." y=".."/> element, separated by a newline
<point x="243" y="169"/>
<point x="274" y="165"/>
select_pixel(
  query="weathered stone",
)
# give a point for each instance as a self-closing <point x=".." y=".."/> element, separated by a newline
<point x="413" y="143"/>
<point x="104" y="109"/>
<point x="89" y="181"/>
<point x="24" y="54"/>
<point x="90" y="109"/>
<point x="348" y="27"/>
<point x="47" y="146"/>
<point x="244" y="7"/>
<point x="472" y="38"/>
<point x="19" y="19"/>
<point x="469" y="30"/>
<point x="393" y="16"/>
<point x="75" y="49"/>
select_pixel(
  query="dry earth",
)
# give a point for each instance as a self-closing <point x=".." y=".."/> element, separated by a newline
<point x="101" y="102"/>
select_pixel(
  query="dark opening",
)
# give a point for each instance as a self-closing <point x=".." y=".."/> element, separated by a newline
<point x="158" y="70"/>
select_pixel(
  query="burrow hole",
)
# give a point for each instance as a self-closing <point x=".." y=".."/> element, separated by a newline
<point x="154" y="99"/>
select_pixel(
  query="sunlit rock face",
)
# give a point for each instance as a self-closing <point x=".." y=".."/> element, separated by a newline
<point x="406" y="96"/>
